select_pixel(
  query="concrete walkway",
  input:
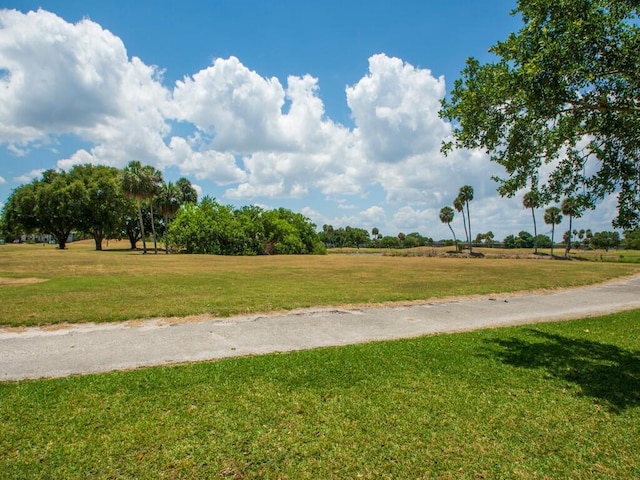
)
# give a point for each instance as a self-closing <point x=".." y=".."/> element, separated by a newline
<point x="87" y="348"/>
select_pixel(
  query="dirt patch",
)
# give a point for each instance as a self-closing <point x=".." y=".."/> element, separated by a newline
<point x="16" y="282"/>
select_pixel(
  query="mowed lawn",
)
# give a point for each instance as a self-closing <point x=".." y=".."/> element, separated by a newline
<point x="40" y="285"/>
<point x="558" y="400"/>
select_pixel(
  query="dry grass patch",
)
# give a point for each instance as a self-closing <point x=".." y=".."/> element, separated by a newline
<point x="16" y="282"/>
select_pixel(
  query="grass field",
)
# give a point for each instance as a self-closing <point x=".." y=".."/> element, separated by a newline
<point x="41" y="285"/>
<point x="557" y="400"/>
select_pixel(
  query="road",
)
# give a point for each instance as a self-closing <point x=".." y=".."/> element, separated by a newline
<point x="58" y="351"/>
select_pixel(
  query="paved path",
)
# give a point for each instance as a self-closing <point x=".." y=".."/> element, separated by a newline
<point x="87" y="348"/>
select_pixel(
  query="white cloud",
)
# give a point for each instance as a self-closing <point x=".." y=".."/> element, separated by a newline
<point x="240" y="106"/>
<point x="395" y="108"/>
<point x="198" y="189"/>
<point x="2" y="180"/>
<point x="61" y="77"/>
<point x="79" y="157"/>
<point x="65" y="78"/>
<point x="218" y="166"/>
<point x="27" y="177"/>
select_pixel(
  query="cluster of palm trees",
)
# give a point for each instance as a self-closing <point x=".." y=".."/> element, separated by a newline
<point x="531" y="200"/>
<point x="144" y="183"/>
<point x="553" y="217"/>
<point x="465" y="195"/>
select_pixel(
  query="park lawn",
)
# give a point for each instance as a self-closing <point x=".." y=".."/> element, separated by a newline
<point x="555" y="400"/>
<point x="41" y="285"/>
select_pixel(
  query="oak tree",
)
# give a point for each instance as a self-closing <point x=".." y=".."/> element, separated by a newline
<point x="562" y="95"/>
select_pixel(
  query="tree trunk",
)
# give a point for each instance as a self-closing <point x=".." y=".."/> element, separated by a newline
<point x="455" y="240"/>
<point x="61" y="239"/>
<point x="132" y="239"/>
<point x="464" y="222"/>
<point x="535" y="232"/>
<point x="144" y="243"/>
<point x="568" y="245"/>
<point x="166" y="236"/>
<point x="469" y="225"/>
<point x="153" y="228"/>
<point x="97" y="238"/>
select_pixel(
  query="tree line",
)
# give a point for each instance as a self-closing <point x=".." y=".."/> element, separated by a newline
<point x="108" y="203"/>
<point x="356" y="237"/>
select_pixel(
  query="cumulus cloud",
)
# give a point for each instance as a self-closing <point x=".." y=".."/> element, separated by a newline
<point x="55" y="71"/>
<point x="394" y="106"/>
<point x="64" y="78"/>
<point x="238" y="105"/>
<point x="27" y="177"/>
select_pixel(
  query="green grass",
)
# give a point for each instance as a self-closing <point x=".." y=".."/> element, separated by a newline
<point x="559" y="400"/>
<point x="87" y="286"/>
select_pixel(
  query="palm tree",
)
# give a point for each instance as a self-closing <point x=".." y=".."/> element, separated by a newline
<point x="552" y="216"/>
<point x="135" y="186"/>
<point x="189" y="194"/>
<point x="446" y="216"/>
<point x="168" y="202"/>
<point x="154" y="181"/>
<point x="458" y="204"/>
<point x="466" y="195"/>
<point x="569" y="207"/>
<point x="530" y="200"/>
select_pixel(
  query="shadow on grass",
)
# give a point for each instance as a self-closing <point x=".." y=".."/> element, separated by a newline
<point x="604" y="372"/>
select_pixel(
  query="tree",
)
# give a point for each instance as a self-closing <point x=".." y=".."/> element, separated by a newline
<point x="168" y="202"/>
<point x="510" y="241"/>
<point x="488" y="238"/>
<point x="154" y="182"/>
<point x="564" y="91"/>
<point x="134" y="186"/>
<point x="401" y="238"/>
<point x="327" y="235"/>
<point x="389" y="242"/>
<point x="103" y="205"/>
<point x="187" y="192"/>
<point x="131" y="225"/>
<point x="458" y="204"/>
<point x="543" y="241"/>
<point x="51" y="205"/>
<point x="466" y="195"/>
<point x="605" y="240"/>
<point x="141" y="183"/>
<point x="569" y="207"/>
<point x="632" y="239"/>
<point x="553" y="217"/>
<point x="446" y="216"/>
<point x="530" y="200"/>
<point x="526" y="240"/>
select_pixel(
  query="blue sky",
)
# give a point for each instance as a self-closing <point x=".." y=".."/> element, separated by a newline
<point x="327" y="108"/>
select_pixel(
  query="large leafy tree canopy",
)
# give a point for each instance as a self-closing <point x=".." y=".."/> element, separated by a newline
<point x="564" y="91"/>
<point x="51" y="204"/>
